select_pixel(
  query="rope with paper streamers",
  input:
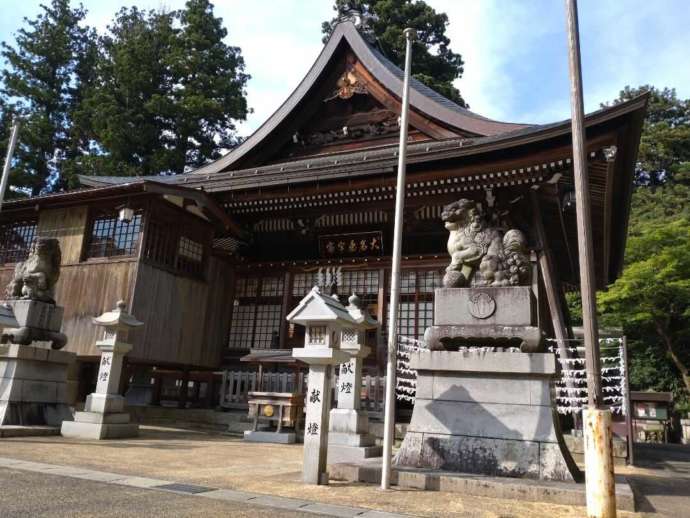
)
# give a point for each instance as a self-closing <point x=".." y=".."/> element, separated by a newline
<point x="406" y="378"/>
<point x="571" y="388"/>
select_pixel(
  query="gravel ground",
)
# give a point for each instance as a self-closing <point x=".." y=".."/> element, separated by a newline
<point x="225" y="462"/>
<point x="26" y="494"/>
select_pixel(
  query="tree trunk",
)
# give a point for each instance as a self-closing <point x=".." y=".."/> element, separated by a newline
<point x="684" y="371"/>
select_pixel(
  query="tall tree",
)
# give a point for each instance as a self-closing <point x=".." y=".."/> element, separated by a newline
<point x="41" y="83"/>
<point x="665" y="143"/>
<point x="435" y="64"/>
<point x="167" y="94"/>
<point x="209" y="92"/>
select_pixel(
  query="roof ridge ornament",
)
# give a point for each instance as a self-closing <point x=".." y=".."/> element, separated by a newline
<point x="359" y="17"/>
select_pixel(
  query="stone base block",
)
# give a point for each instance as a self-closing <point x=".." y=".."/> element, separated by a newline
<point x="551" y="492"/>
<point x="82" y="430"/>
<point x="487" y="413"/>
<point x="95" y="417"/>
<point x="104" y="403"/>
<point x="339" y="453"/>
<point x="351" y="439"/>
<point x="272" y="437"/>
<point x="343" y="420"/>
<point x="33" y="385"/>
<point x="29" y="431"/>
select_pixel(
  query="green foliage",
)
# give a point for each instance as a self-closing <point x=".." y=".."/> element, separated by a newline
<point x="665" y="144"/>
<point x="159" y="93"/>
<point x="652" y="296"/>
<point x="435" y="64"/>
<point x="42" y="83"/>
<point x="168" y="91"/>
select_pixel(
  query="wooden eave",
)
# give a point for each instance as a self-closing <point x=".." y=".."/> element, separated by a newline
<point x="117" y="191"/>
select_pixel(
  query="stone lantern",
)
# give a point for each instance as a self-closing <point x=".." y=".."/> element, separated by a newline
<point x="324" y="318"/>
<point x="104" y="416"/>
<point x="349" y="439"/>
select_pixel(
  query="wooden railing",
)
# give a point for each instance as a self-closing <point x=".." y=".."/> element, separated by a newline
<point x="237" y="384"/>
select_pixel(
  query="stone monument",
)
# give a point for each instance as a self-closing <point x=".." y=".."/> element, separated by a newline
<point x="483" y="403"/>
<point x="349" y="438"/>
<point x="324" y="318"/>
<point x="104" y="416"/>
<point x="33" y="371"/>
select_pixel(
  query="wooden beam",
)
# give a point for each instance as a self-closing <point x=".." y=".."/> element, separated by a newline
<point x="546" y="265"/>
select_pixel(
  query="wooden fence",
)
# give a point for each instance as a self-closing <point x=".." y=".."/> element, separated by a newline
<point x="237" y="384"/>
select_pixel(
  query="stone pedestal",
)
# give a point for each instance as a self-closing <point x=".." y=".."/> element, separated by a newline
<point x="685" y="431"/>
<point x="349" y="439"/>
<point x="104" y="416"/>
<point x="33" y="385"/>
<point x="504" y="316"/>
<point x="37" y="321"/>
<point x="487" y="413"/>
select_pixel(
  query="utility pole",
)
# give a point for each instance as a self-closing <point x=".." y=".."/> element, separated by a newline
<point x="601" y="496"/>
<point x="389" y="414"/>
<point x="8" y="161"/>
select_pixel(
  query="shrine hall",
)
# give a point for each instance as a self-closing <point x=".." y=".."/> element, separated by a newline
<point x="212" y="261"/>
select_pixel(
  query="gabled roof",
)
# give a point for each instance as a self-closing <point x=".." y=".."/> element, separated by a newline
<point x="422" y="98"/>
<point x="317" y="307"/>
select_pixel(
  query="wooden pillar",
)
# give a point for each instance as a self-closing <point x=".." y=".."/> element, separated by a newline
<point x="157" y="388"/>
<point x="551" y="285"/>
<point x="184" y="388"/>
<point x="287" y="297"/>
<point x="380" y="312"/>
<point x="601" y="492"/>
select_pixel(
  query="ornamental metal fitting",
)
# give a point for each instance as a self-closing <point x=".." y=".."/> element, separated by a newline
<point x="610" y="153"/>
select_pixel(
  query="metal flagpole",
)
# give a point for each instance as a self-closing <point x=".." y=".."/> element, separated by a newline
<point x="8" y="161"/>
<point x="600" y="485"/>
<point x="389" y="415"/>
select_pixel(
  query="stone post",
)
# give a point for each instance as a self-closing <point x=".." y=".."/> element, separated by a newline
<point x="103" y="416"/>
<point x="316" y="424"/>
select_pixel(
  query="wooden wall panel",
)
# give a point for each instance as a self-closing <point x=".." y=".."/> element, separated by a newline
<point x="87" y="290"/>
<point x="186" y="320"/>
<point x="68" y="226"/>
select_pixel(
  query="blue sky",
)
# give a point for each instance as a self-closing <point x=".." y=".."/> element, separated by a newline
<point x="515" y="50"/>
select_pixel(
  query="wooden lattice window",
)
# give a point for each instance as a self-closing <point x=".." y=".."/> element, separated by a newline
<point x="416" y="309"/>
<point x="111" y="237"/>
<point x="256" y="313"/>
<point x="170" y="247"/>
<point x="16" y="238"/>
<point x="190" y="256"/>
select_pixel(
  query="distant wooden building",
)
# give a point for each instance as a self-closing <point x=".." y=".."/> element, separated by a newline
<point x="213" y="260"/>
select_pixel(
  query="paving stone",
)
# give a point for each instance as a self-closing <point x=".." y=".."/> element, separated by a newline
<point x="229" y="494"/>
<point x="140" y="482"/>
<point x="100" y="476"/>
<point x="280" y="502"/>
<point x="332" y="510"/>
<point x="381" y="514"/>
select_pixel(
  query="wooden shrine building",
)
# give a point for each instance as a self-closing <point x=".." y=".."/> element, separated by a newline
<point x="213" y="260"/>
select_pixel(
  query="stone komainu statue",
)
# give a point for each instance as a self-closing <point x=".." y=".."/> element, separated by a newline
<point x="35" y="278"/>
<point x="482" y="255"/>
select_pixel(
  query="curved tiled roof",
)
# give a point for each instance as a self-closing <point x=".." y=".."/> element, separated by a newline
<point x="422" y="98"/>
